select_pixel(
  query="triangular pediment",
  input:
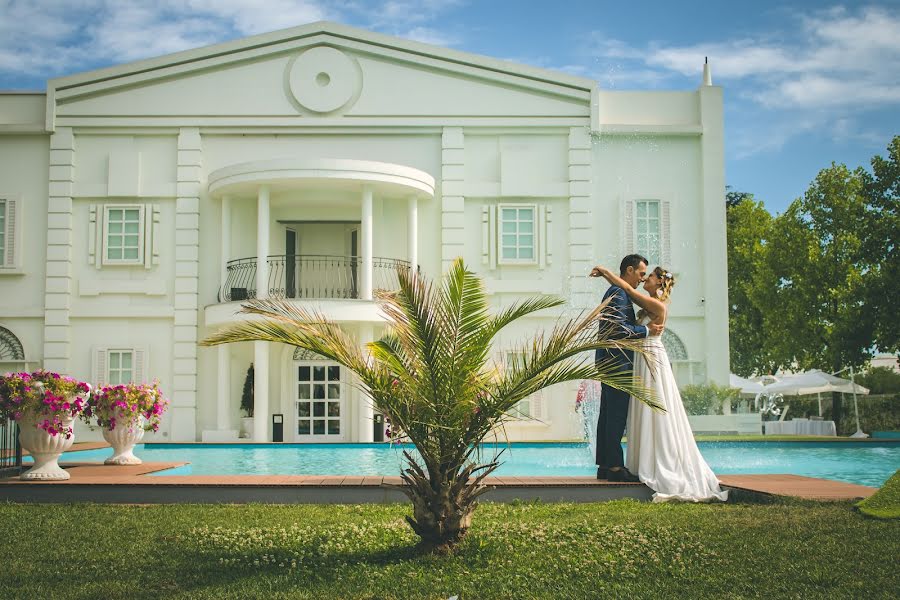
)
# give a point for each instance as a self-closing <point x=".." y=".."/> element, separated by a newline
<point x="319" y="70"/>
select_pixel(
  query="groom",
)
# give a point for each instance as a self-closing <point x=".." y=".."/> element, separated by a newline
<point x="613" y="402"/>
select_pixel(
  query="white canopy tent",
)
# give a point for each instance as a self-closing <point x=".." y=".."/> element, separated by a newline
<point x="818" y="382"/>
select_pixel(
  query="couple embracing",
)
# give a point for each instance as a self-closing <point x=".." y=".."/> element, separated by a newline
<point x="662" y="452"/>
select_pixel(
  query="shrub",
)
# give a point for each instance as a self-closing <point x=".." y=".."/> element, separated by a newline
<point x="247" y="394"/>
<point x="708" y="399"/>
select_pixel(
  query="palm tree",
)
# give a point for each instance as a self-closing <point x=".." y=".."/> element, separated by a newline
<point x="432" y="376"/>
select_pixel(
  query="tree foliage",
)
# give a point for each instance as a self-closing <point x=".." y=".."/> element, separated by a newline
<point x="749" y="226"/>
<point x="813" y="287"/>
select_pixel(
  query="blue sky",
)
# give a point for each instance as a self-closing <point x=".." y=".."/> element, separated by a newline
<point x="806" y="83"/>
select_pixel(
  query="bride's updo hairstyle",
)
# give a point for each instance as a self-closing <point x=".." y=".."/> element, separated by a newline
<point x="668" y="282"/>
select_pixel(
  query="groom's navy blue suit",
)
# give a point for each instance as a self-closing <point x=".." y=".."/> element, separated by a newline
<point x="613" y="402"/>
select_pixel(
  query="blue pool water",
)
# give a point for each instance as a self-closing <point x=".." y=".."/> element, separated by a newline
<point x="866" y="463"/>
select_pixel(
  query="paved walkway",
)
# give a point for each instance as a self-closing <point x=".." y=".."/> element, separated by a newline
<point x="95" y="482"/>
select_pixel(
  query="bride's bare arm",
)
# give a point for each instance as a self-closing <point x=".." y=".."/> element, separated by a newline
<point x="651" y="305"/>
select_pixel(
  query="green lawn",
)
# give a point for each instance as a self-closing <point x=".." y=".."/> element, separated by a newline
<point x="885" y="504"/>
<point x="617" y="549"/>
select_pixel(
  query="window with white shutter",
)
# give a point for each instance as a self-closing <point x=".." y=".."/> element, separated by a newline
<point x="646" y="230"/>
<point x="9" y="226"/>
<point x="516" y="234"/>
<point x="123" y="234"/>
<point x="116" y="366"/>
<point x="530" y="408"/>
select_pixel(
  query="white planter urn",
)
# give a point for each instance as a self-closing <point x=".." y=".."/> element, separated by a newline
<point x="247" y="426"/>
<point x="122" y="439"/>
<point x="44" y="448"/>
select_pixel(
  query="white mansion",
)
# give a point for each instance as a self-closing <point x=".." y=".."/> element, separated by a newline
<point x="141" y="203"/>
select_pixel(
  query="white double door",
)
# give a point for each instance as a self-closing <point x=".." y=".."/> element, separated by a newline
<point x="319" y="402"/>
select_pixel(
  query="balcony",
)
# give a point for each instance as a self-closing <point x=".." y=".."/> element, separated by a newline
<point x="312" y="277"/>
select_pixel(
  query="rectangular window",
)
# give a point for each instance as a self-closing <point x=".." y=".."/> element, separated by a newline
<point x="120" y="367"/>
<point x="527" y="408"/>
<point x="647" y="230"/>
<point x="124" y="239"/>
<point x="517" y="239"/>
<point x="3" y="235"/>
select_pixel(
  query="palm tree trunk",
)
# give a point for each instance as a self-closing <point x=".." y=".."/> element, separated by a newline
<point x="443" y="503"/>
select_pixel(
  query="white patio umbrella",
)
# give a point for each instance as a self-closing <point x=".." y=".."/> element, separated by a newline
<point x="813" y="382"/>
<point x="819" y="382"/>
<point x="747" y="386"/>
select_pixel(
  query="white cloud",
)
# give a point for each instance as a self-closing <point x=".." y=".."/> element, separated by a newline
<point x="812" y="77"/>
<point x="50" y="38"/>
<point x="430" y="36"/>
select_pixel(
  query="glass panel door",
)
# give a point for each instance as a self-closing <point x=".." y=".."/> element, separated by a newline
<point x="319" y="402"/>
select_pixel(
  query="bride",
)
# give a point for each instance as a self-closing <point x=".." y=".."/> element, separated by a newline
<point x="661" y="447"/>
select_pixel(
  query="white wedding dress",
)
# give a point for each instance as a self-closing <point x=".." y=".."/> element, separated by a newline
<point x="661" y="449"/>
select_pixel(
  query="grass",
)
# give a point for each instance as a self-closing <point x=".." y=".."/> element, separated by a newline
<point x="885" y="503"/>
<point x="786" y="548"/>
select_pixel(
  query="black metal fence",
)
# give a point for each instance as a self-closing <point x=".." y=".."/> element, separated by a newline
<point x="10" y="450"/>
<point x="309" y="276"/>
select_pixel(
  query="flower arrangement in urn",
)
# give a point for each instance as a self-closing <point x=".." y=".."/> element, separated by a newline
<point x="125" y="412"/>
<point x="45" y="405"/>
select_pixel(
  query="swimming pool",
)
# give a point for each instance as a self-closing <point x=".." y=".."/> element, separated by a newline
<point x="866" y="463"/>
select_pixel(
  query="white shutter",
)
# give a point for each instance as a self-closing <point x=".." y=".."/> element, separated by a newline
<point x="538" y="406"/>
<point x="485" y="235"/>
<point x="146" y="246"/>
<point x="99" y="371"/>
<point x="493" y="237"/>
<point x="665" y="237"/>
<point x="627" y="227"/>
<point x="548" y="238"/>
<point x="539" y="229"/>
<point x="93" y="259"/>
<point x="155" y="233"/>
<point x="139" y="365"/>
<point x="12" y="211"/>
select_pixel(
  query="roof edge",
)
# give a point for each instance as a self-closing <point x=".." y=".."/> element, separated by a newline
<point x="320" y="27"/>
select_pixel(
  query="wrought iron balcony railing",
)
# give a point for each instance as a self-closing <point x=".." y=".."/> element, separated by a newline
<point x="309" y="276"/>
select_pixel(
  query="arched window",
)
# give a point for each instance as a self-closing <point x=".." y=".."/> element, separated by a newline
<point x="304" y="354"/>
<point x="674" y="346"/>
<point x="10" y="347"/>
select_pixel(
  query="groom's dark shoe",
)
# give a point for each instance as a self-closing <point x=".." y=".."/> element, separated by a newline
<point x="623" y="476"/>
<point x="602" y="473"/>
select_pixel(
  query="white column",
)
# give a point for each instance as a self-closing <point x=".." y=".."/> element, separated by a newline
<point x="261" y="392"/>
<point x="412" y="219"/>
<point x="366" y="235"/>
<point x="715" y="270"/>
<point x="262" y="242"/>
<point x="225" y="239"/>
<point x="223" y="391"/>
<point x="365" y="414"/>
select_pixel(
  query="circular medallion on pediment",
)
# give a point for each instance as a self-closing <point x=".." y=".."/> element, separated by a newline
<point x="324" y="79"/>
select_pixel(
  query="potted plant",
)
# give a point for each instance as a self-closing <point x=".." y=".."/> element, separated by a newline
<point x="247" y="404"/>
<point x="45" y="405"/>
<point x="125" y="412"/>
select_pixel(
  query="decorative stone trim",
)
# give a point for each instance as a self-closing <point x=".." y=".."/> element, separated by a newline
<point x="453" y="235"/>
<point x="581" y="242"/>
<point x="58" y="279"/>
<point x="187" y="299"/>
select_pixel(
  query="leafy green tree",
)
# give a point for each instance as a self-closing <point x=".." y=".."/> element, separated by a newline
<point x="749" y="226"/>
<point x="734" y="198"/>
<point x="882" y="189"/>
<point x="813" y="287"/>
<point x="880" y="380"/>
<point x="432" y="376"/>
